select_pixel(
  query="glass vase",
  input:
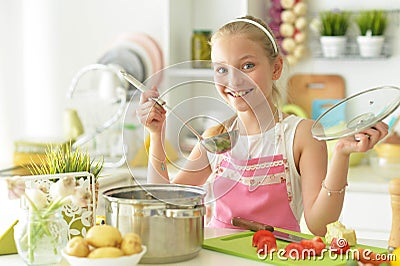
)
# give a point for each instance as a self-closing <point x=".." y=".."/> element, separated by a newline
<point x="40" y="236"/>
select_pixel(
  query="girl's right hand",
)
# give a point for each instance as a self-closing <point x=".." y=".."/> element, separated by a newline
<point x="149" y="113"/>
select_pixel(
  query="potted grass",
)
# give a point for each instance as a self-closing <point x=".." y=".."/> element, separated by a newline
<point x="63" y="159"/>
<point x="372" y="25"/>
<point x="333" y="29"/>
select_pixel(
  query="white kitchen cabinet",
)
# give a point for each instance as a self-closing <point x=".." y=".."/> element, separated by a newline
<point x="367" y="206"/>
<point x="188" y="87"/>
<point x="184" y="16"/>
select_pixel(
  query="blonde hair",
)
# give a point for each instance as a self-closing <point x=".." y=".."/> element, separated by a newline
<point x="257" y="34"/>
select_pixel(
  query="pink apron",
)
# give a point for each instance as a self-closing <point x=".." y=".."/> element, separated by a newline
<point x="260" y="190"/>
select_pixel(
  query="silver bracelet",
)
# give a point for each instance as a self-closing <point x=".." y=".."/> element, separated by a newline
<point x="333" y="191"/>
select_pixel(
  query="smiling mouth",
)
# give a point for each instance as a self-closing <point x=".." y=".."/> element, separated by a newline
<point x="237" y="94"/>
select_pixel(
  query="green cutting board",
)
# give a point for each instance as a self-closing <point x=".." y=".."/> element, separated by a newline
<point x="240" y="245"/>
<point x="7" y="243"/>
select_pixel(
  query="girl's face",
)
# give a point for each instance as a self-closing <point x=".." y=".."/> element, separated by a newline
<point x="242" y="71"/>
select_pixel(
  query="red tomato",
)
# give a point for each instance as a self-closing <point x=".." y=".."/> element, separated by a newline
<point x="294" y="251"/>
<point x="309" y="246"/>
<point x="315" y="245"/>
<point x="367" y="256"/>
<point x="307" y="243"/>
<point x="339" y="246"/>
<point x="259" y="234"/>
<point x="317" y="239"/>
<point x="319" y="246"/>
<point x="266" y="243"/>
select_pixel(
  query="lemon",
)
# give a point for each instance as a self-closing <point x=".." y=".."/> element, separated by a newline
<point x="396" y="253"/>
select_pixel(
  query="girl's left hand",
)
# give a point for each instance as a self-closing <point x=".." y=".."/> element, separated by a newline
<point x="364" y="140"/>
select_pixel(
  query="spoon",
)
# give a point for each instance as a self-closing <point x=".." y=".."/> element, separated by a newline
<point x="217" y="144"/>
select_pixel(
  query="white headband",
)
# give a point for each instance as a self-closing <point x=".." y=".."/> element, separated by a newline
<point x="261" y="27"/>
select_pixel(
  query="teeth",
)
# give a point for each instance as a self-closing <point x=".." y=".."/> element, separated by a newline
<point x="237" y="93"/>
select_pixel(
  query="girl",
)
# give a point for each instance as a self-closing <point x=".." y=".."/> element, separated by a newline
<point x="277" y="169"/>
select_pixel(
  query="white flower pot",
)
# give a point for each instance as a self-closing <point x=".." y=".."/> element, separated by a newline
<point x="333" y="46"/>
<point x="370" y="46"/>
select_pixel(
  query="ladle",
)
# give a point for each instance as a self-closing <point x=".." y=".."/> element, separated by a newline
<point x="217" y="144"/>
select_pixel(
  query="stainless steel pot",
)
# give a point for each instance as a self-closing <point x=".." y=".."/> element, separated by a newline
<point x="168" y="218"/>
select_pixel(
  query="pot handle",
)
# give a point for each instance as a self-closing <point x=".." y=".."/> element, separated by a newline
<point x="185" y="213"/>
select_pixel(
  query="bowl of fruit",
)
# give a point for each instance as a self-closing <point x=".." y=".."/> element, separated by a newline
<point x="104" y="245"/>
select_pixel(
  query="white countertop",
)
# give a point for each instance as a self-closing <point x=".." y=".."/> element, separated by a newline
<point x="205" y="257"/>
<point x="361" y="178"/>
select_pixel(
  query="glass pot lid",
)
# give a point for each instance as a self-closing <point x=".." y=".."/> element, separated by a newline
<point x="356" y="113"/>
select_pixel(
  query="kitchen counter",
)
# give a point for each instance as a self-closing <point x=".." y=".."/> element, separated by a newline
<point x="363" y="181"/>
<point x="367" y="206"/>
<point x="365" y="178"/>
<point x="205" y="257"/>
<point x="362" y="177"/>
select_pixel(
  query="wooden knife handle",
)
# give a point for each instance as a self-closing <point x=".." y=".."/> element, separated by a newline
<point x="250" y="225"/>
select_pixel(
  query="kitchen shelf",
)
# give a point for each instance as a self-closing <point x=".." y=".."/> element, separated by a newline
<point x="351" y="57"/>
<point x="191" y="72"/>
<point x="352" y="50"/>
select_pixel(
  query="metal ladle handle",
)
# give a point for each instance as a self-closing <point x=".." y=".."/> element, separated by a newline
<point x="142" y="88"/>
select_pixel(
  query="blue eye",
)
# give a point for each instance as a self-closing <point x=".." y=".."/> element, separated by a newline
<point x="221" y="70"/>
<point x="248" y="66"/>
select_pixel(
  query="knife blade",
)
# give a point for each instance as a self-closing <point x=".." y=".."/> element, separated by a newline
<point x="256" y="226"/>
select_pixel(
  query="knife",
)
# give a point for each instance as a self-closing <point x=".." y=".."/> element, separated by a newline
<point x="256" y="226"/>
<point x="9" y="171"/>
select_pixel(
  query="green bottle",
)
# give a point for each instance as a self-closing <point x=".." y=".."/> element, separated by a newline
<point x="201" y="49"/>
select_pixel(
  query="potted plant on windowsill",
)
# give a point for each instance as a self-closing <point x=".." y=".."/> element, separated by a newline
<point x="333" y="28"/>
<point x="372" y="25"/>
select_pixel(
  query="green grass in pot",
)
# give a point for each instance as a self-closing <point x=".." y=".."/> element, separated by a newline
<point x="63" y="159"/>
<point x="334" y="23"/>
<point x="374" y="21"/>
